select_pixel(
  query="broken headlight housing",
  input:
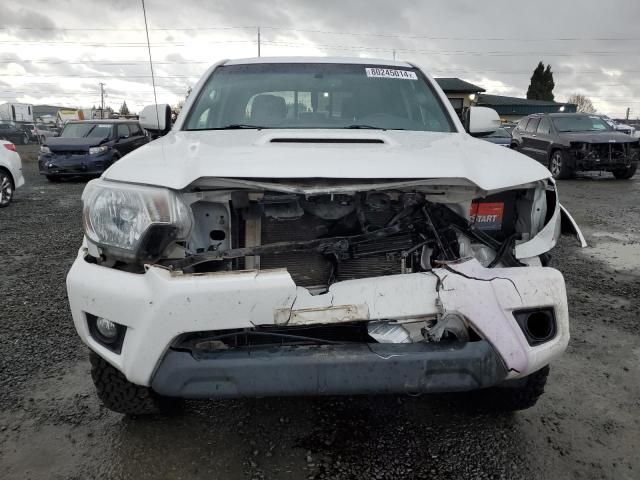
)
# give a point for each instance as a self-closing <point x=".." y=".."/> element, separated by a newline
<point x="133" y="222"/>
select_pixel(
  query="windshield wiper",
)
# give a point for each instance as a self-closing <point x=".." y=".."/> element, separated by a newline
<point x="371" y="127"/>
<point x="232" y="126"/>
<point x="366" y="127"/>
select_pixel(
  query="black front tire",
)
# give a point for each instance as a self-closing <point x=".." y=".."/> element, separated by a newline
<point x="558" y="166"/>
<point x="518" y="394"/>
<point x="626" y="173"/>
<point x="122" y="396"/>
<point x="7" y="188"/>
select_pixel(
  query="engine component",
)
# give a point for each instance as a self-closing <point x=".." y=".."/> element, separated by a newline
<point x="385" y="332"/>
<point x="450" y="327"/>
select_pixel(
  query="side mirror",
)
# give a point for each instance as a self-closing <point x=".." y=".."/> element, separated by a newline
<point x="482" y="121"/>
<point x="156" y="118"/>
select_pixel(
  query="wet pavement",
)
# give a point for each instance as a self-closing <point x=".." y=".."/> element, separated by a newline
<point x="587" y="425"/>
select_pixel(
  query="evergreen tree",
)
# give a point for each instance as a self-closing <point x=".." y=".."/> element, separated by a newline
<point x="124" y="110"/>
<point x="548" y="84"/>
<point x="541" y="86"/>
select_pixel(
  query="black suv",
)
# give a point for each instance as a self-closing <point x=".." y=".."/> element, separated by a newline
<point x="13" y="134"/>
<point x="568" y="142"/>
<point x="89" y="147"/>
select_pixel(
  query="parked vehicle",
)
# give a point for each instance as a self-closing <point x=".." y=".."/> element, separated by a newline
<point x="65" y="115"/>
<point x="571" y="142"/>
<point x="317" y="227"/>
<point x="509" y="126"/>
<point x="30" y="130"/>
<point x="44" y="131"/>
<point x="500" y="137"/>
<point x="619" y="127"/>
<point x="10" y="172"/>
<point x="16" y="112"/>
<point x="13" y="134"/>
<point x="88" y="147"/>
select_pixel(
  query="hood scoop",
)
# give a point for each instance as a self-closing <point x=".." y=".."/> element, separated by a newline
<point x="325" y="140"/>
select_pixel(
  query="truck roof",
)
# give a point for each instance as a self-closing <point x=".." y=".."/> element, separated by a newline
<point x="345" y="60"/>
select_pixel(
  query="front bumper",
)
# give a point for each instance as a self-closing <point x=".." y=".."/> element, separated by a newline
<point x="159" y="306"/>
<point x="604" y="162"/>
<point x="74" y="164"/>
<point x="330" y="370"/>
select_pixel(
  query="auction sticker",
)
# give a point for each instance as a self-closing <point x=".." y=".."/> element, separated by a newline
<point x="391" y="73"/>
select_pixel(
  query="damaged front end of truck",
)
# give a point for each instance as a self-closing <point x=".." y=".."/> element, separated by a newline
<point x="329" y="286"/>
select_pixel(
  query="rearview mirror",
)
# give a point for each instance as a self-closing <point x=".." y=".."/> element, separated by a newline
<point x="156" y="118"/>
<point x="482" y="121"/>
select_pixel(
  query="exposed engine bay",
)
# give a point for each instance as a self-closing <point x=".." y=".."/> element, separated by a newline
<point x="327" y="238"/>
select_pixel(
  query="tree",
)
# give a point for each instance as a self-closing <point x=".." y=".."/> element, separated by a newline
<point x="548" y="83"/>
<point x="583" y="103"/>
<point x="542" y="84"/>
<point x="124" y="110"/>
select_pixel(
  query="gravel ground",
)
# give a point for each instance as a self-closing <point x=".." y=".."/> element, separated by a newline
<point x="585" y="426"/>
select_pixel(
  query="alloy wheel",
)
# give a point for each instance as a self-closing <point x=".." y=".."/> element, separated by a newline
<point x="556" y="165"/>
<point x="6" y="189"/>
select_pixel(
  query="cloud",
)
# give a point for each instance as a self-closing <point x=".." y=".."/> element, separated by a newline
<point x="497" y="48"/>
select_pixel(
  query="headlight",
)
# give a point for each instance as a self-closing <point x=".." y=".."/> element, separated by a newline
<point x="97" y="150"/>
<point x="44" y="149"/>
<point x="133" y="222"/>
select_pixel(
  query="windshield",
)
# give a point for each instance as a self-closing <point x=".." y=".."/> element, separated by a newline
<point x="88" y="130"/>
<point x="318" y="96"/>
<point x="580" y="123"/>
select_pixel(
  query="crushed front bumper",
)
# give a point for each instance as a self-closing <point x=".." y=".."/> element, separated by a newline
<point x="159" y="306"/>
<point x="330" y="370"/>
<point x="74" y="164"/>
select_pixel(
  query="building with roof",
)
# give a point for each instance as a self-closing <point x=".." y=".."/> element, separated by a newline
<point x="460" y="93"/>
<point x="463" y="95"/>
<point x="512" y="109"/>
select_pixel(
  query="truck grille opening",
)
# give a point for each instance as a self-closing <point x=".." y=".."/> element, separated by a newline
<point x="376" y="257"/>
<point x="273" y="336"/>
<point x="321" y="239"/>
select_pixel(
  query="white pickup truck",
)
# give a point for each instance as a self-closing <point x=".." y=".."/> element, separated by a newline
<point x="319" y="226"/>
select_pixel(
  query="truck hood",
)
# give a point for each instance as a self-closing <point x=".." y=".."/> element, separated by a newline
<point x="61" y="144"/>
<point x="181" y="158"/>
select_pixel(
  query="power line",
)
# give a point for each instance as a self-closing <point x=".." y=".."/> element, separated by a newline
<point x="72" y="75"/>
<point x="196" y="62"/>
<point x="423" y="36"/>
<point x="506" y="53"/>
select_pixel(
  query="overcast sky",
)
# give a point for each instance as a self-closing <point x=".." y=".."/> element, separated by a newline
<point x="56" y="52"/>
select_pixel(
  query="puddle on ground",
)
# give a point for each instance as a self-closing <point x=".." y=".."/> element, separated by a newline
<point x="619" y="256"/>
<point x="621" y="237"/>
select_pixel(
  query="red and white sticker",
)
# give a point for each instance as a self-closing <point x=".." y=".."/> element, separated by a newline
<point x="487" y="216"/>
<point x="391" y="73"/>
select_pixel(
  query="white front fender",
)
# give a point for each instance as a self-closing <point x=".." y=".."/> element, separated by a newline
<point x="560" y="222"/>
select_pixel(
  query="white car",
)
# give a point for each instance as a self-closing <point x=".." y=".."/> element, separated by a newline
<point x="10" y="172"/>
<point x="319" y="226"/>
<point x="44" y="131"/>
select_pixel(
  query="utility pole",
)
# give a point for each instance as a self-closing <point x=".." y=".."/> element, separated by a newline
<point x="101" y="100"/>
<point x="628" y="112"/>
<point x="394" y="54"/>
<point x="258" y="41"/>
